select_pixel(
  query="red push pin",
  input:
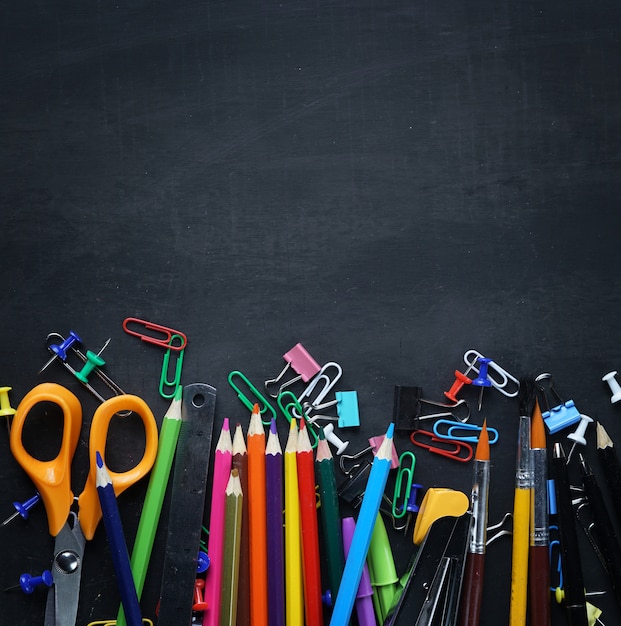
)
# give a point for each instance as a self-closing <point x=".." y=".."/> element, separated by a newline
<point x="199" y="601"/>
<point x="460" y="381"/>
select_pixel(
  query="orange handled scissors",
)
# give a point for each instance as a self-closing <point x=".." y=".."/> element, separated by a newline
<point x="53" y="481"/>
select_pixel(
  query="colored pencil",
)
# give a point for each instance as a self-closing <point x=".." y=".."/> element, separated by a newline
<point x="221" y="473"/>
<point x="116" y="541"/>
<point x="294" y="597"/>
<point x="571" y="563"/>
<point x="521" y="507"/>
<point x="472" y="589"/>
<point x="539" y="557"/>
<point x="275" y="538"/>
<point x="332" y="534"/>
<point x="364" y="596"/>
<point x="154" y="499"/>
<point x="240" y="463"/>
<point x="257" y="518"/>
<point x="311" y="568"/>
<point x="362" y="535"/>
<point x="232" y="539"/>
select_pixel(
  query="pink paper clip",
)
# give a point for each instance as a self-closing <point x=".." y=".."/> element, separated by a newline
<point x="301" y="362"/>
<point x="169" y="334"/>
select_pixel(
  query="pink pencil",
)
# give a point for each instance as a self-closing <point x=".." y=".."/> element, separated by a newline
<point x="221" y="474"/>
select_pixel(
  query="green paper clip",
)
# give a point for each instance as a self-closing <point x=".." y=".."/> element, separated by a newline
<point x="264" y="405"/>
<point x="287" y="411"/>
<point x="176" y="381"/>
<point x="403" y="489"/>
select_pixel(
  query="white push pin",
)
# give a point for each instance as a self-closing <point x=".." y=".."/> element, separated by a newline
<point x="331" y="436"/>
<point x="578" y="435"/>
<point x="614" y="386"/>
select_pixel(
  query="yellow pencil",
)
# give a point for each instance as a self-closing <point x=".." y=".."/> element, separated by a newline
<point x="294" y="602"/>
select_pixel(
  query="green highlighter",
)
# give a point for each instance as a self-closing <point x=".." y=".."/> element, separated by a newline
<point x="382" y="570"/>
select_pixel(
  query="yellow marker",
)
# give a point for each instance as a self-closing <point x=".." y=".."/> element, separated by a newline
<point x="294" y="603"/>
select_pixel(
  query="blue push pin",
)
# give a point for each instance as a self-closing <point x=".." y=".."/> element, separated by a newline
<point x="326" y="598"/>
<point x="22" y="509"/>
<point x="60" y="350"/>
<point x="202" y="562"/>
<point x="482" y="380"/>
<point x="29" y="583"/>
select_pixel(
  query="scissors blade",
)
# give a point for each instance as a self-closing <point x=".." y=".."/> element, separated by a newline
<point x="62" y="601"/>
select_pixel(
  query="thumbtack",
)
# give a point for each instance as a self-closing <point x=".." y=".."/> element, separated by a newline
<point x="326" y="598"/>
<point x="199" y="601"/>
<point x="460" y="381"/>
<point x="6" y="410"/>
<point x="202" y="562"/>
<point x="60" y="350"/>
<point x="92" y="361"/>
<point x="22" y="509"/>
<point x="28" y="583"/>
<point x="331" y="436"/>
<point x="578" y="435"/>
<point x="482" y="380"/>
<point x="614" y="386"/>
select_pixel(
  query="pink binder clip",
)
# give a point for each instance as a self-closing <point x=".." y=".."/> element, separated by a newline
<point x="376" y="442"/>
<point x="301" y="362"/>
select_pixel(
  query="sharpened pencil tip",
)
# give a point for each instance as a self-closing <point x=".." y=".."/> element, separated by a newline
<point x="391" y="431"/>
<point x="98" y="459"/>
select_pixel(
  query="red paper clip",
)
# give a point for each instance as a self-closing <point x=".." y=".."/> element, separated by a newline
<point x="165" y="342"/>
<point x="454" y="453"/>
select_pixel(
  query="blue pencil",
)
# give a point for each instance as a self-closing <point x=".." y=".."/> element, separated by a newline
<point x="362" y="535"/>
<point x="118" y="547"/>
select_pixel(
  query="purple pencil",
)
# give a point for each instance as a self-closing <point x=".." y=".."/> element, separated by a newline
<point x="275" y="540"/>
<point x="364" y="601"/>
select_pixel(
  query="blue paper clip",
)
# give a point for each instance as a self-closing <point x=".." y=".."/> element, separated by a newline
<point x="290" y="409"/>
<point x="455" y="427"/>
<point x="264" y="405"/>
<point x="403" y="484"/>
<point x="175" y="382"/>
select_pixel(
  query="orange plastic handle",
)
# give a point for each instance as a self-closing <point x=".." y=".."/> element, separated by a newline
<point x="51" y="478"/>
<point x="90" y="509"/>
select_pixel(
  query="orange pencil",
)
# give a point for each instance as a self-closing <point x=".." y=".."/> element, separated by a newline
<point x="311" y="572"/>
<point x="257" y="513"/>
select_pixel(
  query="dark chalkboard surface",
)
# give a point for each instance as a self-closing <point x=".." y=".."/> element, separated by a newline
<point x="389" y="183"/>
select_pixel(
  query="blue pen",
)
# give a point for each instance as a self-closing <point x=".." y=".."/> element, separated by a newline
<point x="118" y="547"/>
<point x="361" y="540"/>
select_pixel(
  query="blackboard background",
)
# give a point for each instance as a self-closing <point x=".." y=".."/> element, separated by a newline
<point x="390" y="183"/>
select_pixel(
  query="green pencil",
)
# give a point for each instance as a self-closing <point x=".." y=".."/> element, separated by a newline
<point x="145" y="535"/>
<point x="330" y="516"/>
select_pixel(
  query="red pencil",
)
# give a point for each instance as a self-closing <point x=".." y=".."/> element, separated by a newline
<point x="309" y="529"/>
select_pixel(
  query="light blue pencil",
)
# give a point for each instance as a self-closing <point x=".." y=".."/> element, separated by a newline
<point x="369" y="509"/>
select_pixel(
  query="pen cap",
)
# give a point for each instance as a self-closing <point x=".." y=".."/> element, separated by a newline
<point x="380" y="559"/>
<point x="365" y="589"/>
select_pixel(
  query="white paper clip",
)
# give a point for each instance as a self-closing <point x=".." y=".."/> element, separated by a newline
<point x="500" y="382"/>
<point x="328" y="383"/>
<point x="301" y="362"/>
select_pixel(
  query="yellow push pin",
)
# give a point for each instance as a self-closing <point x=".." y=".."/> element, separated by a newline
<point x="6" y="410"/>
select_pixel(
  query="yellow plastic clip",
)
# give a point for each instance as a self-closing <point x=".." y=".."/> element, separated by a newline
<point x="169" y="387"/>
<point x="437" y="503"/>
<point x="264" y="405"/>
<point x="403" y="484"/>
